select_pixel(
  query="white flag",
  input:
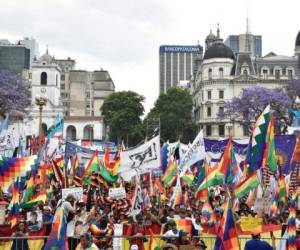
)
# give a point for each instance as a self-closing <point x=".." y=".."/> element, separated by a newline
<point x="141" y="159"/>
<point x="196" y="152"/>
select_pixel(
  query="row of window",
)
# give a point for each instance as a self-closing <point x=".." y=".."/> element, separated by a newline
<point x="221" y="73"/>
<point x="208" y="111"/>
<point x="265" y="73"/>
<point x="221" y="129"/>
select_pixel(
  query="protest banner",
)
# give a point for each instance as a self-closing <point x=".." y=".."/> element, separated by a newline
<point x="251" y="224"/>
<point x="117" y="193"/>
<point x="77" y="192"/>
<point x="196" y="152"/>
<point x="141" y="159"/>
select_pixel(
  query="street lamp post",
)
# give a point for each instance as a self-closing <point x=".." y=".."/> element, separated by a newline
<point x="40" y="102"/>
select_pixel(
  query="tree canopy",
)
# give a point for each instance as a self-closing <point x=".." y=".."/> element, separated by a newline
<point x="14" y="97"/>
<point x="247" y="108"/>
<point x="122" y="112"/>
<point x="174" y="109"/>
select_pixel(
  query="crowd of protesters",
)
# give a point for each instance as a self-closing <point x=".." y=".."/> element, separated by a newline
<point x="91" y="220"/>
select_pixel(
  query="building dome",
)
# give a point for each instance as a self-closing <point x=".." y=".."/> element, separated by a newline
<point x="46" y="58"/>
<point x="210" y="36"/>
<point x="218" y="50"/>
<point x="298" y="39"/>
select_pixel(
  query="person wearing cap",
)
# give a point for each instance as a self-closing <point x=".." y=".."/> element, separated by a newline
<point x="258" y="244"/>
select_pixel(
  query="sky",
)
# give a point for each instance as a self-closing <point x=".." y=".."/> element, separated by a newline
<point x="123" y="36"/>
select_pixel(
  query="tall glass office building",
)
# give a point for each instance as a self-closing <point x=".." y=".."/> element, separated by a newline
<point x="245" y="43"/>
<point x="177" y="63"/>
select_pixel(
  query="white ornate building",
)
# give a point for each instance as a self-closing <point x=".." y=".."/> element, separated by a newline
<point x="45" y="82"/>
<point x="222" y="75"/>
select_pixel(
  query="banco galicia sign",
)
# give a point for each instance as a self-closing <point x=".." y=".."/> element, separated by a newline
<point x="179" y="49"/>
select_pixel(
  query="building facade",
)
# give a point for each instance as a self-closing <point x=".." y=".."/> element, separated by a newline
<point x="176" y="64"/>
<point x="244" y="43"/>
<point x="222" y="75"/>
<point x="15" y="58"/>
<point x="66" y="65"/>
<point x="45" y="83"/>
<point x="87" y="91"/>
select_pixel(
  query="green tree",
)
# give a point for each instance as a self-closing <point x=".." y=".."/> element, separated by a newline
<point x="175" y="112"/>
<point x="122" y="112"/>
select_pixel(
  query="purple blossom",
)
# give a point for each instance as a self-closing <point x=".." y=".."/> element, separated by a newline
<point x="247" y="108"/>
<point x="14" y="93"/>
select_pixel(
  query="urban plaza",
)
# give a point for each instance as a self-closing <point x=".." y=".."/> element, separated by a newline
<point x="149" y="140"/>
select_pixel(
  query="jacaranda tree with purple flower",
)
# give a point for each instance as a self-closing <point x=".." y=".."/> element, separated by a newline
<point x="252" y="101"/>
<point x="14" y="94"/>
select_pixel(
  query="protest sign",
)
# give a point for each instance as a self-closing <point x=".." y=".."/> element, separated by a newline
<point x="117" y="193"/>
<point x="77" y="192"/>
<point x="141" y="159"/>
<point x="251" y="224"/>
<point x="196" y="152"/>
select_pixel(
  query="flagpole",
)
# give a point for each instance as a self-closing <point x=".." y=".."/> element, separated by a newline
<point x="231" y="200"/>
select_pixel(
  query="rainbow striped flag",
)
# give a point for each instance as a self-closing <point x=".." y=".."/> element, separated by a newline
<point x="246" y="186"/>
<point x="14" y="214"/>
<point x="184" y="224"/>
<point x="188" y="178"/>
<point x="207" y="210"/>
<point x="177" y="196"/>
<point x="57" y="239"/>
<point x="269" y="156"/>
<point x="170" y="175"/>
<point x="12" y="168"/>
<point x="291" y="241"/>
<point x="224" y="172"/>
<point x="92" y="166"/>
<point x="28" y="192"/>
<point x="257" y="143"/>
<point x="227" y="237"/>
<point x="40" y="197"/>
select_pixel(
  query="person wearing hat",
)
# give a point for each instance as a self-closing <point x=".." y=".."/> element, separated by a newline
<point x="258" y="244"/>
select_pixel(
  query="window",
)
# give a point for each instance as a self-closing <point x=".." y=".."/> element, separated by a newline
<point x="44" y="78"/>
<point x="221" y="110"/>
<point x="265" y="74"/>
<point x="30" y="75"/>
<point x="209" y="74"/>
<point x="209" y="94"/>
<point x="221" y="94"/>
<point x="71" y="132"/>
<point x="245" y="130"/>
<point x="88" y="132"/>
<point x="62" y="86"/>
<point x="277" y="74"/>
<point x="88" y="95"/>
<point x="221" y="130"/>
<point x="56" y="80"/>
<point x="290" y="74"/>
<point x="208" y="111"/>
<point x="221" y="73"/>
<point x="87" y="105"/>
<point x="208" y="130"/>
<point x="62" y="77"/>
<point x="245" y="73"/>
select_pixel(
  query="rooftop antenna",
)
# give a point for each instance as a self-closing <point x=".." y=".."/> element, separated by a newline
<point x="248" y="39"/>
